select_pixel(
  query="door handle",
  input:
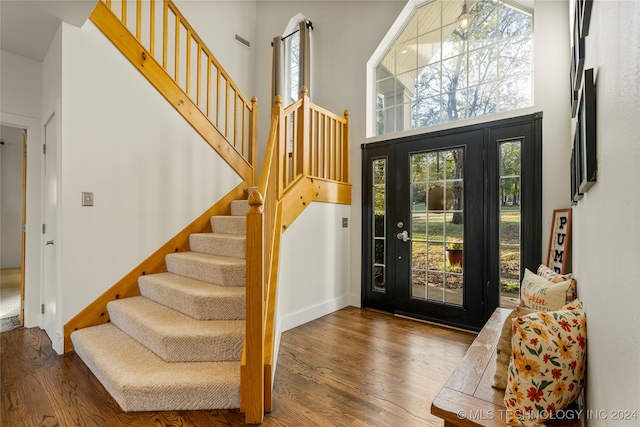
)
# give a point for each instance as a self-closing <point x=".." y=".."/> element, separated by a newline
<point x="49" y="242"/>
<point x="404" y="236"/>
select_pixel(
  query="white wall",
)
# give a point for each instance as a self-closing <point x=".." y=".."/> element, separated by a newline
<point x="345" y="35"/>
<point x="150" y="172"/>
<point x="20" y="85"/>
<point x="11" y="197"/>
<point x="21" y="106"/>
<point x="217" y="23"/>
<point x="606" y="222"/>
<point x="314" y="273"/>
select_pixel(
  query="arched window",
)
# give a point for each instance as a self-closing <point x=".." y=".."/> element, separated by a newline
<point x="292" y="59"/>
<point x="445" y="66"/>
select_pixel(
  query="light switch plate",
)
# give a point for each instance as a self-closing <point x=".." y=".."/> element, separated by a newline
<point x="345" y="222"/>
<point x="87" y="199"/>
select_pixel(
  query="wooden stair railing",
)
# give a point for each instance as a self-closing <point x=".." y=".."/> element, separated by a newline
<point x="179" y="65"/>
<point x="307" y="159"/>
<point x="163" y="46"/>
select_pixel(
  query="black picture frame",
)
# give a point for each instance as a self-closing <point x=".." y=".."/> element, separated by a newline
<point x="584" y="11"/>
<point x="576" y="195"/>
<point x="575" y="96"/>
<point x="586" y="131"/>
<point x="577" y="54"/>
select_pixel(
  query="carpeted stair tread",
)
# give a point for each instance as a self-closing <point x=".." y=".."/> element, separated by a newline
<point x="176" y="337"/>
<point x="230" y="245"/>
<point x="141" y="381"/>
<point x="239" y="207"/>
<point x="200" y="300"/>
<point x="223" y="271"/>
<point x="229" y="224"/>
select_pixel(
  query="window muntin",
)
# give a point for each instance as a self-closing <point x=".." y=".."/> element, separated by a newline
<point x="435" y="72"/>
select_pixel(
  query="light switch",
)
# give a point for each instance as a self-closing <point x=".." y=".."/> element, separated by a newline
<point x="345" y="222"/>
<point x="87" y="199"/>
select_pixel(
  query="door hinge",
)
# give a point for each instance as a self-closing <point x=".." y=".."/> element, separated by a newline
<point x="22" y="304"/>
<point x="24" y="228"/>
<point x="44" y="148"/>
<point x="42" y="309"/>
<point x="25" y="151"/>
<point x="44" y="227"/>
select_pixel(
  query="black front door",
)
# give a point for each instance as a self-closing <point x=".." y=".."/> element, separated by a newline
<point x="434" y="241"/>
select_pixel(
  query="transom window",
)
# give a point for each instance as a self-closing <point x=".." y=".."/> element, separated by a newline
<point x="436" y="71"/>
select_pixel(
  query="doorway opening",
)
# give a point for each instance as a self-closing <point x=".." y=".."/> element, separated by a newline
<point x="13" y="171"/>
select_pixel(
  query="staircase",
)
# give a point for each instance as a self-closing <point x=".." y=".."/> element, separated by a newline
<point x="178" y="345"/>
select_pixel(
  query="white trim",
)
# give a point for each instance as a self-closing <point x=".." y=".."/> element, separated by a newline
<point x="312" y="313"/>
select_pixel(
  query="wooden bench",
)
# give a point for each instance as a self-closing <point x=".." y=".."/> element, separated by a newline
<point x="467" y="398"/>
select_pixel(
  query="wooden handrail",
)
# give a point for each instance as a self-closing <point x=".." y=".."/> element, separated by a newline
<point x="296" y="146"/>
<point x="194" y="81"/>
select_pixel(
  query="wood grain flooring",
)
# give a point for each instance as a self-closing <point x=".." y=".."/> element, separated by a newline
<point x="351" y="368"/>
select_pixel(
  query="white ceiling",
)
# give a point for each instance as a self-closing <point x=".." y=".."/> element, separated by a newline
<point x="27" y="27"/>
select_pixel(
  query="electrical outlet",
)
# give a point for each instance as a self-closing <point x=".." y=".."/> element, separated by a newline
<point x="87" y="199"/>
<point x="345" y="222"/>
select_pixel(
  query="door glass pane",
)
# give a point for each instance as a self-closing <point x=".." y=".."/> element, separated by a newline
<point x="437" y="226"/>
<point x="379" y="224"/>
<point x="510" y="222"/>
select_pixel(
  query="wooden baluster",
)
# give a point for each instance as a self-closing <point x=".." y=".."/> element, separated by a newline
<point x="138" y="19"/>
<point x="165" y="33"/>
<point x="208" y="87"/>
<point x="253" y="138"/>
<point x="188" y="65"/>
<point x="217" y="97"/>
<point x="303" y="133"/>
<point x="152" y="28"/>
<point x="199" y="76"/>
<point x="177" y="52"/>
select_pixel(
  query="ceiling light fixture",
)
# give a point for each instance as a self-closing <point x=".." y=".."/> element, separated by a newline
<point x="465" y="17"/>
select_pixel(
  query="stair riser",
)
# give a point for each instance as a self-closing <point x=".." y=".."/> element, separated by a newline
<point x="239" y="207"/>
<point x="229" y="224"/>
<point x="222" y="275"/>
<point x="218" y="245"/>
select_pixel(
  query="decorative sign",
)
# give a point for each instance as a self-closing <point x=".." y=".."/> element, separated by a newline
<point x="559" y="240"/>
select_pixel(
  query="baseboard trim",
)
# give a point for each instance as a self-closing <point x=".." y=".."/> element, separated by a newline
<point x="312" y="313"/>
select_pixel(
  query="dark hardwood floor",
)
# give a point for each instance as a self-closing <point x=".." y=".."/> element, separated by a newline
<point x="351" y="368"/>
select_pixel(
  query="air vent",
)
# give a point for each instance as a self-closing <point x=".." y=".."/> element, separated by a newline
<point x="244" y="41"/>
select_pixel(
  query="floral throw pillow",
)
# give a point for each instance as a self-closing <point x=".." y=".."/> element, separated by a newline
<point x="547" y="365"/>
<point x="547" y="273"/>
<point x="538" y="293"/>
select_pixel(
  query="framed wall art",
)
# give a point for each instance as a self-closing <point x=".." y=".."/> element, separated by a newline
<point x="583" y="9"/>
<point x="577" y="55"/>
<point x="586" y="126"/>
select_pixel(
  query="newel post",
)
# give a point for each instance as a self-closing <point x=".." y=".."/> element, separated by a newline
<point x="254" y="405"/>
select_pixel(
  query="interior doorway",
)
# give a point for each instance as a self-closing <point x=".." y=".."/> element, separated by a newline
<point x="13" y="181"/>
